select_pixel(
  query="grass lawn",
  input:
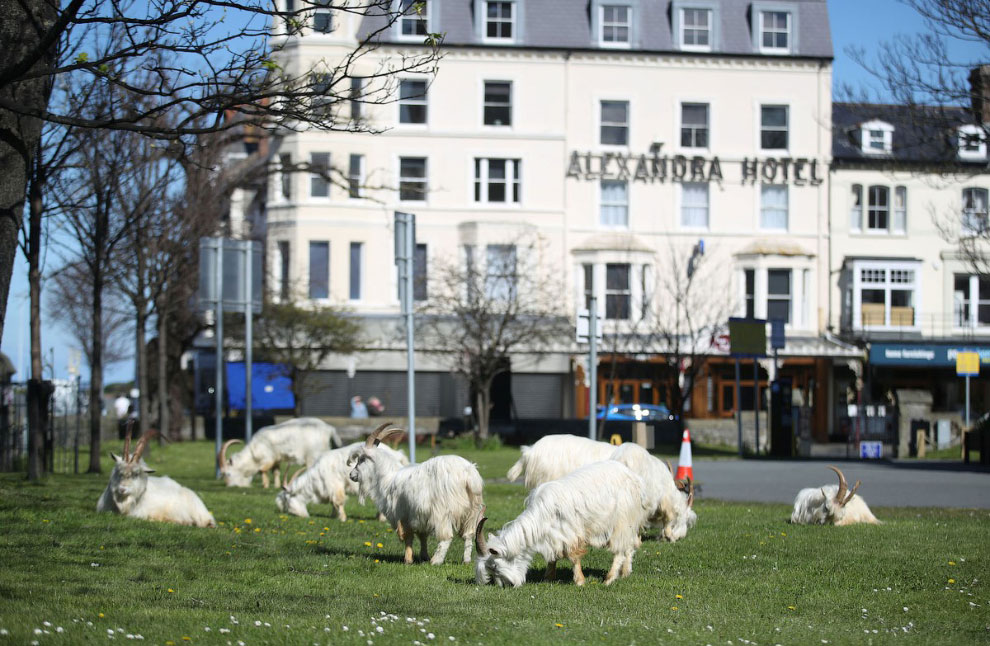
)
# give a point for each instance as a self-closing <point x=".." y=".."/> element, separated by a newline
<point x="742" y="576"/>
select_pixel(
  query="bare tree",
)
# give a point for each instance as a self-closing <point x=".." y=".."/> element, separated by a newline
<point x="205" y="57"/>
<point x="482" y="311"/>
<point x="69" y="304"/>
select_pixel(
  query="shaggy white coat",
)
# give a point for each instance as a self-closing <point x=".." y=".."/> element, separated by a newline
<point x="440" y="497"/>
<point x="599" y="505"/>
<point x="295" y="441"/>
<point x="671" y="511"/>
<point x="554" y="456"/>
<point x="328" y="480"/>
<point x="132" y="492"/>
<point x="818" y="506"/>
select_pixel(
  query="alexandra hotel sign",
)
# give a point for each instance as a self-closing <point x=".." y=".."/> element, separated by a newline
<point x="654" y="167"/>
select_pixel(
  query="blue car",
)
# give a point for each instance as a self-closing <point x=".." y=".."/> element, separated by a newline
<point x="636" y="412"/>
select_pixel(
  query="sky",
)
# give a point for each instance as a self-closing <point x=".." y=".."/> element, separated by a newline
<point x="862" y="23"/>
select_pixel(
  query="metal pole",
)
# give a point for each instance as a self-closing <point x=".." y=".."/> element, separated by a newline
<point x="411" y="370"/>
<point x="75" y="443"/>
<point x="967" y="401"/>
<point x="219" y="362"/>
<point x="248" y="248"/>
<point x="738" y="411"/>
<point x="756" y="403"/>
<point x="592" y="366"/>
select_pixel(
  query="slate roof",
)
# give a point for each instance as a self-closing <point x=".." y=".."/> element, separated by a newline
<point x="567" y="25"/>
<point x="922" y="134"/>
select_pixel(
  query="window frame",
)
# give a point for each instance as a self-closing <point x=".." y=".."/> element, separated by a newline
<point x="311" y="285"/>
<point x="626" y="125"/>
<point x="760" y="11"/>
<point x="414" y="101"/>
<point x="623" y="293"/>
<point x="322" y="8"/>
<point x="693" y="128"/>
<point x="973" y="303"/>
<point x="888" y="285"/>
<point x="681" y="27"/>
<point x="602" y="25"/>
<point x="602" y="204"/>
<point x="964" y="134"/>
<point x="403" y="7"/>
<point x="355" y="183"/>
<point x="968" y="215"/>
<point x="355" y="271"/>
<point x="284" y="277"/>
<point x="886" y="137"/>
<point x="854" y="208"/>
<point x="486" y="104"/>
<point x="771" y="129"/>
<point x="877" y="209"/>
<point x="501" y="286"/>
<point x="778" y="297"/>
<point x="411" y="179"/>
<point x="764" y="207"/>
<point x="482" y="181"/>
<point x="682" y="205"/>
<point x="512" y="22"/>
<point x="315" y="177"/>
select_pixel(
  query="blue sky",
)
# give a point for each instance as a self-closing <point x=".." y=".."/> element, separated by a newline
<point x="862" y="23"/>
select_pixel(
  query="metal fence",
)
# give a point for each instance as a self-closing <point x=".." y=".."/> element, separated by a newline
<point x="66" y="434"/>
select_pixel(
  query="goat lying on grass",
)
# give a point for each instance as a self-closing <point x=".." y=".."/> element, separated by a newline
<point x="603" y="504"/>
<point x="132" y="492"/>
<point x="296" y="441"/>
<point x="440" y="496"/>
<point x="831" y="505"/>
<point x="328" y="480"/>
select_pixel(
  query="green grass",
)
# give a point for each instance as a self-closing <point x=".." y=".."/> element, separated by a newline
<point x="742" y="574"/>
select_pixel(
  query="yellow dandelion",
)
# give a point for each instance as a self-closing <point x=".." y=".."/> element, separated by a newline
<point x="45" y="520"/>
<point x="673" y="607"/>
<point x="171" y="590"/>
<point x="677" y="596"/>
<point x="791" y="608"/>
<point x="247" y="521"/>
<point x="222" y="523"/>
<point x="952" y="562"/>
<point x="952" y="580"/>
<point x="101" y="547"/>
<point x="257" y="530"/>
<point x="326" y="529"/>
<point x="379" y="545"/>
<point x="375" y="595"/>
<point x="312" y="522"/>
<point x="100" y="615"/>
<point x="323" y="534"/>
<point x="361" y="522"/>
<point x="186" y="639"/>
<point x="367" y="543"/>
<point x="783" y="533"/>
<point x="559" y="625"/>
<point x="228" y="553"/>
<point x="169" y="643"/>
<point x="376" y="561"/>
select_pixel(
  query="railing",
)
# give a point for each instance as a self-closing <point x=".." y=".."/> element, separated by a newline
<point x="67" y="431"/>
<point x="908" y="324"/>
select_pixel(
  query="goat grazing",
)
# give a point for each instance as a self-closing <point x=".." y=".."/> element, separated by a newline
<point x="673" y="499"/>
<point x="296" y="441"/>
<point x="554" y="456"/>
<point x="832" y="505"/>
<point x="328" y="480"/>
<point x="603" y="504"/>
<point x="132" y="492"/>
<point x="440" y="496"/>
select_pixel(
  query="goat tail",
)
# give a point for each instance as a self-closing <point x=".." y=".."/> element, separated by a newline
<point x="517" y="469"/>
<point x="475" y="488"/>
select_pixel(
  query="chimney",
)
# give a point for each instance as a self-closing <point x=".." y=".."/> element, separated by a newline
<point x="979" y="84"/>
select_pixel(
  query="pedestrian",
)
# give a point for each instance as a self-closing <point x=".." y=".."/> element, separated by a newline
<point x="358" y="409"/>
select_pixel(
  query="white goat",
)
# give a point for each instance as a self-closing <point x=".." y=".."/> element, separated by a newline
<point x="554" y="456"/>
<point x="328" y="480"/>
<point x="603" y="504"/>
<point x="440" y="496"/>
<point x="673" y="499"/>
<point x="296" y="441"/>
<point x="831" y="505"/>
<point x="132" y="492"/>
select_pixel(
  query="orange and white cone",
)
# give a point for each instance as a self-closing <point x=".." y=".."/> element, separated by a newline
<point x="684" y="469"/>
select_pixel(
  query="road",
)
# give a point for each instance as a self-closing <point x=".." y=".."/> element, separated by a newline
<point x="885" y="484"/>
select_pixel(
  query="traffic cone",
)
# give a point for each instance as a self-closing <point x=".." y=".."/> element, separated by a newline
<point x="684" y="462"/>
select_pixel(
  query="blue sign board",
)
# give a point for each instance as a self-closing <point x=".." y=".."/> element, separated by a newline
<point x="271" y="387"/>
<point x="922" y="354"/>
<point x="871" y="450"/>
<point x="777" y="340"/>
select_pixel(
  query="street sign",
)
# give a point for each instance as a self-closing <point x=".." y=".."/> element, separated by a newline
<point x="871" y="450"/>
<point x="968" y="364"/>
<point x="584" y="325"/>
<point x="747" y="337"/>
<point x="777" y="339"/>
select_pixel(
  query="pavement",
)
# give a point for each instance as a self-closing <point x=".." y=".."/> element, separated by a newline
<point x="888" y="483"/>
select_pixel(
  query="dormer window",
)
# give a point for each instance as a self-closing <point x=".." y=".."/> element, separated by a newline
<point x="774" y="26"/>
<point x="876" y="138"/>
<point x="414" y="22"/>
<point x="972" y="142"/>
<point x="615" y="25"/>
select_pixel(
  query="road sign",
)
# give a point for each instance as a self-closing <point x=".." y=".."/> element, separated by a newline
<point x="584" y="325"/>
<point x="871" y="450"/>
<point x="747" y="337"/>
<point x="777" y="337"/>
<point x="968" y="364"/>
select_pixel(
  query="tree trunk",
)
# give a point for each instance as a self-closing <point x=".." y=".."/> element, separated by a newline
<point x="144" y="409"/>
<point x="21" y="25"/>
<point x="484" y="411"/>
<point x="96" y="368"/>
<point x="164" y="419"/>
<point x="36" y="430"/>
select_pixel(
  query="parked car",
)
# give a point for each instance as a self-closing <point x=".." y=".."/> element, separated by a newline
<point x="636" y="412"/>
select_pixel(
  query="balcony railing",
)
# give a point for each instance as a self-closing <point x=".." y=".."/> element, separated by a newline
<point x="908" y="324"/>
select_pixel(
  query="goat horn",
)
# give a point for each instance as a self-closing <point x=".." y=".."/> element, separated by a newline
<point x="670" y="467"/>
<point x="141" y="444"/>
<point x="223" y="450"/>
<point x="127" y="440"/>
<point x="294" y="476"/>
<point x="843" y="485"/>
<point x="376" y="435"/>
<point x="480" y="544"/>
<point x="851" y="493"/>
<point x="690" y="485"/>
